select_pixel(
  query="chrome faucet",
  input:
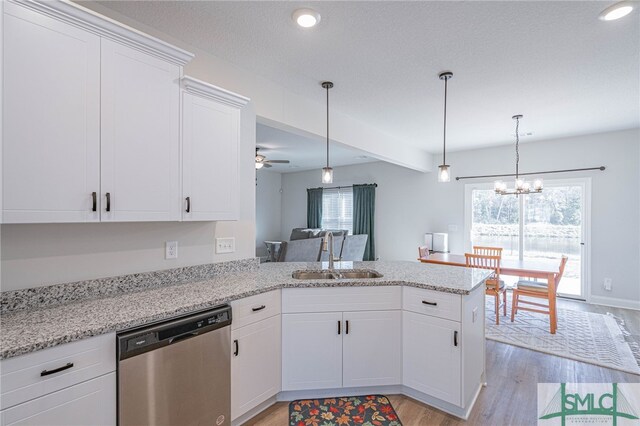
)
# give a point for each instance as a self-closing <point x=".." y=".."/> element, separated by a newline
<point x="328" y="246"/>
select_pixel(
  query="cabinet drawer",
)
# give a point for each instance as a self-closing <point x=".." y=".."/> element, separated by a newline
<point x="22" y="378"/>
<point x="332" y="299"/>
<point x="89" y="403"/>
<point x="434" y="303"/>
<point x="255" y="308"/>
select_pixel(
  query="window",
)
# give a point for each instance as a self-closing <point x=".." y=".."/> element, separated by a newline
<point x="337" y="209"/>
<point x="534" y="227"/>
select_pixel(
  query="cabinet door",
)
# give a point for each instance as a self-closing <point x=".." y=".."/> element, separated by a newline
<point x="140" y="138"/>
<point x="372" y="348"/>
<point x="51" y="116"/>
<point x="312" y="351"/>
<point x="256" y="369"/>
<point x="431" y="360"/>
<point x="210" y="159"/>
<point x="88" y="403"/>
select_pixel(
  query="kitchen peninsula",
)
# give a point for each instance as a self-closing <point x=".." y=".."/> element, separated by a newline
<point x="421" y="327"/>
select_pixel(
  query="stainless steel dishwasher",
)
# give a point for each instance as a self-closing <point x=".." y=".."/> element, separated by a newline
<point x="177" y="372"/>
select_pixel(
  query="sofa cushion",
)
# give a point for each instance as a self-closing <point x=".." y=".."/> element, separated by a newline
<point x="303" y="233"/>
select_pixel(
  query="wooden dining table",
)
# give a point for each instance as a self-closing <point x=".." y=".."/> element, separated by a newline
<point x="541" y="269"/>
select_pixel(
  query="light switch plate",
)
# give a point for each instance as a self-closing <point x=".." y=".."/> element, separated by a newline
<point x="171" y="250"/>
<point x="225" y="245"/>
<point x="474" y="315"/>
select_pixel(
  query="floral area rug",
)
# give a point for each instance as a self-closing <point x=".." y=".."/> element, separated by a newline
<point x="370" y="410"/>
<point x="583" y="336"/>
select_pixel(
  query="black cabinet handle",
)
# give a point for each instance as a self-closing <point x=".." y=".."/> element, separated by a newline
<point x="108" y="195"/>
<point x="430" y="303"/>
<point x="339" y="327"/>
<point x="347" y="327"/>
<point x="455" y="338"/>
<point x="259" y="308"/>
<point x="56" y="370"/>
<point x="188" y="204"/>
<point x="94" y="196"/>
<point x="236" y="345"/>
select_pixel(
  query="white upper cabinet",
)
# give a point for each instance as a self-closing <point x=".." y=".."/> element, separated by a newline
<point x="91" y="115"/>
<point x="51" y="116"/>
<point x="140" y="136"/>
<point x="210" y="143"/>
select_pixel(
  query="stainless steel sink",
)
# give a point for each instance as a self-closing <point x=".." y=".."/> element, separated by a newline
<point x="334" y="275"/>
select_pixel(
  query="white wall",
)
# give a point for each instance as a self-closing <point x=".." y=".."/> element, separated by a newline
<point x="268" y="209"/>
<point x="410" y="203"/>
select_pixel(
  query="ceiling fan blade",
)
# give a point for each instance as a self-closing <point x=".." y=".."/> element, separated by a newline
<point x="266" y="165"/>
<point x="277" y="161"/>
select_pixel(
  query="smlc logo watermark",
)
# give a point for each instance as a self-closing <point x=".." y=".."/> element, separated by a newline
<point x="563" y="404"/>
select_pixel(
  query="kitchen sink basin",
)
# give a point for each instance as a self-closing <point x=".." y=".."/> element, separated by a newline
<point x="334" y="275"/>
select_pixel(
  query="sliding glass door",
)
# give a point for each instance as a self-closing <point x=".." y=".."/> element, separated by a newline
<point x="535" y="227"/>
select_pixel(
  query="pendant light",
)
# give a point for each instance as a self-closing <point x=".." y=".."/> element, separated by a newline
<point x="521" y="186"/>
<point x="327" y="172"/>
<point x="444" y="175"/>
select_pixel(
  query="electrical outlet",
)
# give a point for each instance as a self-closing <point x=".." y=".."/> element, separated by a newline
<point x="453" y="229"/>
<point x="608" y="282"/>
<point x="225" y="245"/>
<point x="171" y="250"/>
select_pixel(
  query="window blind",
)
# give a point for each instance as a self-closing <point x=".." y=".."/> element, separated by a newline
<point x="337" y="209"/>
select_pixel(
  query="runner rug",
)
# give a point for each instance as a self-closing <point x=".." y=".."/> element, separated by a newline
<point x="583" y="336"/>
<point x="370" y="410"/>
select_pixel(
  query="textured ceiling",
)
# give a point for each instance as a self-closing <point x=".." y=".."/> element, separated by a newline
<point x="304" y="153"/>
<point x="555" y="62"/>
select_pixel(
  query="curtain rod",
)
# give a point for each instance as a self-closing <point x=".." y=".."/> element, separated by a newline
<point x="343" y="187"/>
<point x="602" y="168"/>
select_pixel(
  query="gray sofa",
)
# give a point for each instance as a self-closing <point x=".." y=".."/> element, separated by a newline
<point x="306" y="233"/>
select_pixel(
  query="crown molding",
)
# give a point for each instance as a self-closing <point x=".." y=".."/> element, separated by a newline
<point x="79" y="16"/>
<point x="207" y="90"/>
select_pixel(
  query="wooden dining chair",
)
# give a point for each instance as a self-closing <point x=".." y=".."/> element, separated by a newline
<point x="423" y="252"/>
<point x="487" y="251"/>
<point x="538" y="290"/>
<point x="494" y="285"/>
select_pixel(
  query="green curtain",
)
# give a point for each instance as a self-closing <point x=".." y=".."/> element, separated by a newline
<point x="314" y="208"/>
<point x="364" y="207"/>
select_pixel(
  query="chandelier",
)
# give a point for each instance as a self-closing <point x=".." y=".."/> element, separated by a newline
<point x="521" y="186"/>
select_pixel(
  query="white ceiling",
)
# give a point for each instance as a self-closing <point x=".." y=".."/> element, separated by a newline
<point x="553" y="61"/>
<point x="304" y="153"/>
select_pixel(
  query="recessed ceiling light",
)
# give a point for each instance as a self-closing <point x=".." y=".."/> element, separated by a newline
<point x="306" y="18"/>
<point x="616" y="11"/>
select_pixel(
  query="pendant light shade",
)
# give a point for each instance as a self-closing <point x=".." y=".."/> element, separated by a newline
<point x="327" y="172"/>
<point x="444" y="174"/>
<point x="327" y="175"/>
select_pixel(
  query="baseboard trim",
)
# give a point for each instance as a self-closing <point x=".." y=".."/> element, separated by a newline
<point x="254" y="411"/>
<point x="615" y="302"/>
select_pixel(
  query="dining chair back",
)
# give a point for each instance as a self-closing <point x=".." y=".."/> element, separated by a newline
<point x="494" y="285"/>
<point x="487" y="251"/>
<point x="423" y="252"/>
<point x="539" y="290"/>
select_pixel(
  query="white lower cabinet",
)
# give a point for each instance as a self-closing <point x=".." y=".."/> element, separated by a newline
<point x="372" y="348"/>
<point x="88" y="403"/>
<point x="255" y="364"/>
<point x="312" y="351"/>
<point x="329" y="350"/>
<point x="431" y="356"/>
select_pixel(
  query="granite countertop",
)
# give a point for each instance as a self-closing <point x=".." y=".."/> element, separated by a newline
<point x="25" y="331"/>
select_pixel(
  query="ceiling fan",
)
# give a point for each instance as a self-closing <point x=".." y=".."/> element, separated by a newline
<point x="261" y="161"/>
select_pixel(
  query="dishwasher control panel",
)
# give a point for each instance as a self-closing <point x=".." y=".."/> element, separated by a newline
<point x="142" y="340"/>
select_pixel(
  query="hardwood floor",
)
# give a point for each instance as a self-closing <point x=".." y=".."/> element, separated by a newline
<point x="512" y="375"/>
